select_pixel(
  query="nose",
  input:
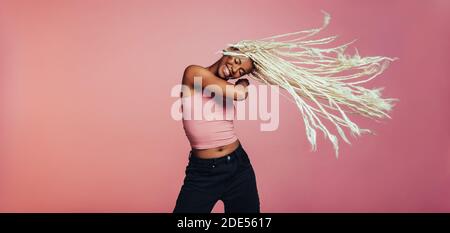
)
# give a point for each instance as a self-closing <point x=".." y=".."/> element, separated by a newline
<point x="234" y="69"/>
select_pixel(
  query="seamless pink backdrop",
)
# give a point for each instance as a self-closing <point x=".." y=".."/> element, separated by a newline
<point x="85" y="102"/>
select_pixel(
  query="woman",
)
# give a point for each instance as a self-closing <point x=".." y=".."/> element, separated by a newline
<point x="219" y="168"/>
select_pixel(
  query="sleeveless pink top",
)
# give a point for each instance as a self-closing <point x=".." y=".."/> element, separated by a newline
<point x="207" y="122"/>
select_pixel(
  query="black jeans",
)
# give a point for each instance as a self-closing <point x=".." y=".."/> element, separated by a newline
<point x="230" y="178"/>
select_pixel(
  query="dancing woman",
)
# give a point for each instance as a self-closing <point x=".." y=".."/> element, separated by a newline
<point x="219" y="168"/>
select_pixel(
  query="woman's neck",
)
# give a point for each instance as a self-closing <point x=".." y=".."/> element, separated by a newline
<point x="214" y="68"/>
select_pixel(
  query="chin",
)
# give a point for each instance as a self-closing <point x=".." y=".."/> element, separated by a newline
<point x="221" y="74"/>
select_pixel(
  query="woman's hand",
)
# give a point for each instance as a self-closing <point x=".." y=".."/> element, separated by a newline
<point x="241" y="85"/>
<point x="243" y="81"/>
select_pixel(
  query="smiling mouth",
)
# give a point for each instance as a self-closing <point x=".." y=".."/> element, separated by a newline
<point x="227" y="71"/>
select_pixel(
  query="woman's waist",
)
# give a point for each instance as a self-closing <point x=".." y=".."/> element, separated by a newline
<point x="212" y="137"/>
<point x="215" y="152"/>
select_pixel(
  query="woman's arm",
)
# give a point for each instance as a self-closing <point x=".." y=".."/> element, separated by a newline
<point x="215" y="84"/>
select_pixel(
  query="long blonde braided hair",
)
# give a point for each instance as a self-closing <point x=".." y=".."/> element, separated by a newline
<point x="308" y="72"/>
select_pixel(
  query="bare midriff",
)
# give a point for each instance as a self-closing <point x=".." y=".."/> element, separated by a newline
<point x="215" y="152"/>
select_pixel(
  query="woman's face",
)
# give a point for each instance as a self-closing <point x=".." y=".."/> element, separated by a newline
<point x="232" y="67"/>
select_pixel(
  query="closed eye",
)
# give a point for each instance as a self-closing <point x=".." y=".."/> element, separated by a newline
<point x="242" y="72"/>
<point x="238" y="61"/>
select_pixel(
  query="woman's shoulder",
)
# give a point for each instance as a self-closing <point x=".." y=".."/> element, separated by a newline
<point x="192" y="71"/>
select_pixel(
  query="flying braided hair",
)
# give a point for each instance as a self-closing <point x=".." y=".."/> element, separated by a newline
<point x="308" y="72"/>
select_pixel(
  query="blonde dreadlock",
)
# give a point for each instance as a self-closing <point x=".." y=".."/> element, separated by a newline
<point x="310" y="72"/>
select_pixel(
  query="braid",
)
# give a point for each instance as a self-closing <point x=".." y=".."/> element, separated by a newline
<point x="308" y="72"/>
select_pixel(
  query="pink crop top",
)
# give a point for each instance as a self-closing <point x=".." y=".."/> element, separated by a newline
<point x="207" y="123"/>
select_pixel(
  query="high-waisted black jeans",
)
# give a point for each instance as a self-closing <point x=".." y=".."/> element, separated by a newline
<point x="230" y="178"/>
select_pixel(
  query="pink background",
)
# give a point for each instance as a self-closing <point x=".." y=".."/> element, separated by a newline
<point x="85" y="121"/>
